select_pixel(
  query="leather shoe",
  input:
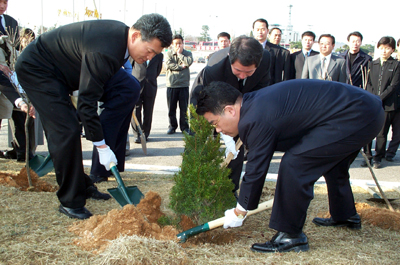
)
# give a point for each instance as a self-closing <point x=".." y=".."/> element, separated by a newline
<point x="364" y="163"/>
<point x="78" y="213"/>
<point x="94" y="193"/>
<point x="171" y="131"/>
<point x="137" y="140"/>
<point x="11" y="154"/>
<point x="389" y="158"/>
<point x="283" y="242"/>
<point x="353" y="222"/>
<point x="97" y="179"/>
<point x="376" y="164"/>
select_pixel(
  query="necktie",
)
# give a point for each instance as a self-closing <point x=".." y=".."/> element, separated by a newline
<point x="323" y="68"/>
<point x="3" y="31"/>
<point x="241" y="84"/>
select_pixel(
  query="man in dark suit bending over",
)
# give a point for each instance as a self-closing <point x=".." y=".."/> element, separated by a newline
<point x="320" y="126"/>
<point x="245" y="65"/>
<point x="78" y="57"/>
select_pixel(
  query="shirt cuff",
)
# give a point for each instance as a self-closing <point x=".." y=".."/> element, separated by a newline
<point x="99" y="143"/>
<point x="240" y="207"/>
<point x="17" y="101"/>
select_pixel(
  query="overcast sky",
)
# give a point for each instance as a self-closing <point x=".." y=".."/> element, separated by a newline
<point x="235" y="17"/>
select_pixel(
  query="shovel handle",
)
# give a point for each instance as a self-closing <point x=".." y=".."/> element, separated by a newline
<point x="219" y="222"/>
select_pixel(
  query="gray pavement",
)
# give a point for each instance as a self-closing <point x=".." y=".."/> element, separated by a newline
<point x="164" y="151"/>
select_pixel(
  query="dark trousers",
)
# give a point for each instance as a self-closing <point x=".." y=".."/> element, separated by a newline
<point x="51" y="99"/>
<point x="146" y="102"/>
<point x="392" y="118"/>
<point x="175" y="95"/>
<point x="298" y="173"/>
<point x="395" y="142"/>
<point x="18" y="128"/>
<point x="236" y="166"/>
<point x="120" y="95"/>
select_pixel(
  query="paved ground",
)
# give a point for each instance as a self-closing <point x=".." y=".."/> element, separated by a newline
<point x="164" y="151"/>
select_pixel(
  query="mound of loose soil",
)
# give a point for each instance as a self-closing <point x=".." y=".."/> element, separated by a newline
<point x="379" y="217"/>
<point x="21" y="182"/>
<point x="96" y="232"/>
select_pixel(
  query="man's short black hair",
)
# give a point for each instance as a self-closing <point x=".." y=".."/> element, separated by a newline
<point x="355" y="33"/>
<point x="214" y="97"/>
<point x="275" y="29"/>
<point x="177" y="37"/>
<point x="154" y="26"/>
<point x="224" y="34"/>
<point x="309" y="34"/>
<point x="387" y="40"/>
<point x="246" y="50"/>
<point x="262" y="21"/>
<point x="327" y="36"/>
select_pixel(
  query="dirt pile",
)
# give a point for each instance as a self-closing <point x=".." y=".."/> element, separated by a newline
<point x="379" y="217"/>
<point x="96" y="232"/>
<point x="20" y="181"/>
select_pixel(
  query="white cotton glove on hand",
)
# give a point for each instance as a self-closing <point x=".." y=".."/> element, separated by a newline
<point x="230" y="146"/>
<point x="106" y="156"/>
<point x="231" y="220"/>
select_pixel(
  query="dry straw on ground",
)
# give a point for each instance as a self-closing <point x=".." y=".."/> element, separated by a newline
<point x="34" y="232"/>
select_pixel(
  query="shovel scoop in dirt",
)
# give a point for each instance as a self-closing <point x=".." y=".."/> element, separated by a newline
<point x="41" y="164"/>
<point x="122" y="194"/>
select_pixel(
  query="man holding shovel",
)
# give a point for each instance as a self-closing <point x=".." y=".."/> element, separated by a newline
<point x="82" y="56"/>
<point x="320" y="126"/>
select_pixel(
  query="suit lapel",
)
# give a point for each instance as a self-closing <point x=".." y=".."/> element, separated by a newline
<point x="331" y="65"/>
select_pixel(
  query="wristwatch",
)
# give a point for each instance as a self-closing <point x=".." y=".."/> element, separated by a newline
<point x="240" y="216"/>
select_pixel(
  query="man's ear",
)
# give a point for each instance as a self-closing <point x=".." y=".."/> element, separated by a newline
<point x="230" y="109"/>
<point x="135" y="35"/>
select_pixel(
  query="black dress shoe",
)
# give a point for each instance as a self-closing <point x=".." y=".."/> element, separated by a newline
<point x="94" y="193"/>
<point x="137" y="140"/>
<point x="283" y="242"/>
<point x="389" y="158"/>
<point x="97" y="179"/>
<point x="353" y="222"/>
<point x="364" y="163"/>
<point x="78" y="213"/>
<point x="11" y="154"/>
<point x="171" y="131"/>
<point x="376" y="164"/>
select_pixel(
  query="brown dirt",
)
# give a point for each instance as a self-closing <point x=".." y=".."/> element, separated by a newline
<point x="379" y="217"/>
<point x="96" y="232"/>
<point x="20" y="181"/>
<point x="101" y="233"/>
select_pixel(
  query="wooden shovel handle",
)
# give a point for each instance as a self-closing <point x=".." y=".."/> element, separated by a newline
<point x="229" y="157"/>
<point x="261" y="207"/>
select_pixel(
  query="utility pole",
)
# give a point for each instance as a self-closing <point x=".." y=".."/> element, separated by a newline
<point x="289" y="30"/>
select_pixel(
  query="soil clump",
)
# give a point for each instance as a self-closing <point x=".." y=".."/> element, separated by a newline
<point x="20" y="181"/>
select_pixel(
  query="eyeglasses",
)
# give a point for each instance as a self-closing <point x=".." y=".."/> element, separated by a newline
<point x="216" y="123"/>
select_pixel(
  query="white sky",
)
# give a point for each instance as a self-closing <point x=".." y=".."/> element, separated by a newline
<point x="235" y="16"/>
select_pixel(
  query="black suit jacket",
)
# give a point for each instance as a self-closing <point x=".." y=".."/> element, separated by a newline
<point x="79" y="56"/>
<point x="219" y="69"/>
<point x="153" y="71"/>
<point x="385" y="82"/>
<point x="354" y="71"/>
<point x="297" y="63"/>
<point x="282" y="62"/>
<point x="297" y="115"/>
<point x="5" y="85"/>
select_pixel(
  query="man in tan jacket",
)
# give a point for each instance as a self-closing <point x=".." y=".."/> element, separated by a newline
<point x="178" y="61"/>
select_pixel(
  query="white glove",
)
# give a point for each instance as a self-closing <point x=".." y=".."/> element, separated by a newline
<point x="106" y="156"/>
<point x="231" y="220"/>
<point x="230" y="146"/>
